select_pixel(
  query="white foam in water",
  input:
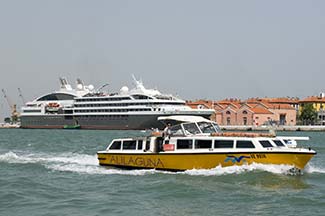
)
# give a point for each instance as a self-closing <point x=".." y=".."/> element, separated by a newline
<point x="218" y="171"/>
<point x="12" y="157"/>
<point x="9" y="157"/>
<point x="99" y="170"/>
<point x="88" y="164"/>
<point x="68" y="162"/>
<point x="311" y="168"/>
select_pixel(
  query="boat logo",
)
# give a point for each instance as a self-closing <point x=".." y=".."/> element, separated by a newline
<point x="235" y="159"/>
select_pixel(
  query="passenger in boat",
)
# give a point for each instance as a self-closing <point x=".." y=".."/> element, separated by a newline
<point x="167" y="131"/>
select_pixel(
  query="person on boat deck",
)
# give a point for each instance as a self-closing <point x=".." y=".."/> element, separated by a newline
<point x="167" y="131"/>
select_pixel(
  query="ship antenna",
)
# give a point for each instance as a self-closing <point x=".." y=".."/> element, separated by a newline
<point x="135" y="80"/>
<point x="79" y="81"/>
<point x="21" y="96"/>
<point x="100" y="88"/>
<point x="138" y="83"/>
<point x="62" y="82"/>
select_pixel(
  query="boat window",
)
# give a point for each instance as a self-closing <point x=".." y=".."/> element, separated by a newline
<point x="245" y="144"/>
<point x="163" y="97"/>
<point x="116" y="145"/>
<point x="265" y="143"/>
<point x="203" y="144"/>
<point x="141" y="97"/>
<point x="206" y="127"/>
<point x="223" y="144"/>
<point x="56" y="96"/>
<point x="140" y="144"/>
<point x="278" y="143"/>
<point x="184" y="144"/>
<point x="147" y="145"/>
<point x="191" y="128"/>
<point x="176" y="130"/>
<point x="216" y="126"/>
<point x="130" y="144"/>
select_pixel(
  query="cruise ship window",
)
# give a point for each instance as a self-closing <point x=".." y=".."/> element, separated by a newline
<point x="116" y="145"/>
<point x="265" y="143"/>
<point x="245" y="144"/>
<point x="223" y="144"/>
<point x="130" y="144"/>
<point x="56" y="96"/>
<point x="140" y="97"/>
<point x="199" y="144"/>
<point x="184" y="144"/>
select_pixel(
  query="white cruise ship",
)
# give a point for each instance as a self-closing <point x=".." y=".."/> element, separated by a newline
<point x="86" y="108"/>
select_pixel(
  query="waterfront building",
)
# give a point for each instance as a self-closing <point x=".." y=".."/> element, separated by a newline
<point x="253" y="111"/>
<point x="284" y="109"/>
<point x="318" y="103"/>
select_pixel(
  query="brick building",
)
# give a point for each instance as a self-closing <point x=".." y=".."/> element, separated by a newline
<point x="254" y="111"/>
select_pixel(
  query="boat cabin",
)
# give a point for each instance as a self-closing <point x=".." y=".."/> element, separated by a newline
<point x="156" y="144"/>
<point x="198" y="137"/>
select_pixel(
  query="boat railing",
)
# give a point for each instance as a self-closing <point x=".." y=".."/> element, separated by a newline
<point x="243" y="134"/>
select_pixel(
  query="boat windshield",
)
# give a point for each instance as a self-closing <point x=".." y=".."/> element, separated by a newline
<point x="191" y="128"/>
<point x="177" y="130"/>
<point x="194" y="128"/>
<point x="207" y="127"/>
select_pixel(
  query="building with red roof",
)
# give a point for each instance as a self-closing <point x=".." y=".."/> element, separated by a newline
<point x="254" y="111"/>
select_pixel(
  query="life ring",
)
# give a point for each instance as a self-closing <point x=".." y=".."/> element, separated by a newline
<point x="53" y="105"/>
<point x="156" y="133"/>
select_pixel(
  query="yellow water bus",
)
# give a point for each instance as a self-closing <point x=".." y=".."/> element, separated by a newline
<point x="197" y="143"/>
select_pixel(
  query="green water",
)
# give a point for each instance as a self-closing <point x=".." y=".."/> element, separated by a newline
<point x="55" y="172"/>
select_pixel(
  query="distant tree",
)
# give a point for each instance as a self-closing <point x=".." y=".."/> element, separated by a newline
<point x="308" y="115"/>
<point x="7" y="120"/>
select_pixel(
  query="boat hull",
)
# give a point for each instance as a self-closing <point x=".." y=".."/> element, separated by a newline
<point x="104" y="122"/>
<point x="187" y="161"/>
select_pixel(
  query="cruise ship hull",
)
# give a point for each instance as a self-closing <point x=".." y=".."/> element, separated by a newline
<point x="104" y="122"/>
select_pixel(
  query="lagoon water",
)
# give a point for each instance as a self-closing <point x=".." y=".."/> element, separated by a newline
<point x="56" y="172"/>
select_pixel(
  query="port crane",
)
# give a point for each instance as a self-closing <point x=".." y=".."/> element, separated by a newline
<point x="13" y="108"/>
<point x="21" y="96"/>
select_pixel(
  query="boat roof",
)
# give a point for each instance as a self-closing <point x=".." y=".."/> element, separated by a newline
<point x="184" y="118"/>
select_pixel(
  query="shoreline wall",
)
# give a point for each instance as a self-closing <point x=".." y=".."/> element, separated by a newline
<point x="276" y="128"/>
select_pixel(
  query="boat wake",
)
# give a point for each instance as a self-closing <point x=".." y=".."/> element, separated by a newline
<point x="67" y="162"/>
<point x="218" y="171"/>
<point x="88" y="164"/>
<point x="256" y="167"/>
<point x="311" y="168"/>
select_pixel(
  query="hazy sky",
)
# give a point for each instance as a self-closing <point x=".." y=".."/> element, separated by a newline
<point x="195" y="49"/>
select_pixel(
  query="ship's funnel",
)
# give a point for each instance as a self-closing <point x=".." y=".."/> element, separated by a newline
<point x="64" y="84"/>
<point x="80" y="84"/>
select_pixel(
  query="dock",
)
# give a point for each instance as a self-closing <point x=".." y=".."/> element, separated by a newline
<point x="6" y="125"/>
<point x="275" y="128"/>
